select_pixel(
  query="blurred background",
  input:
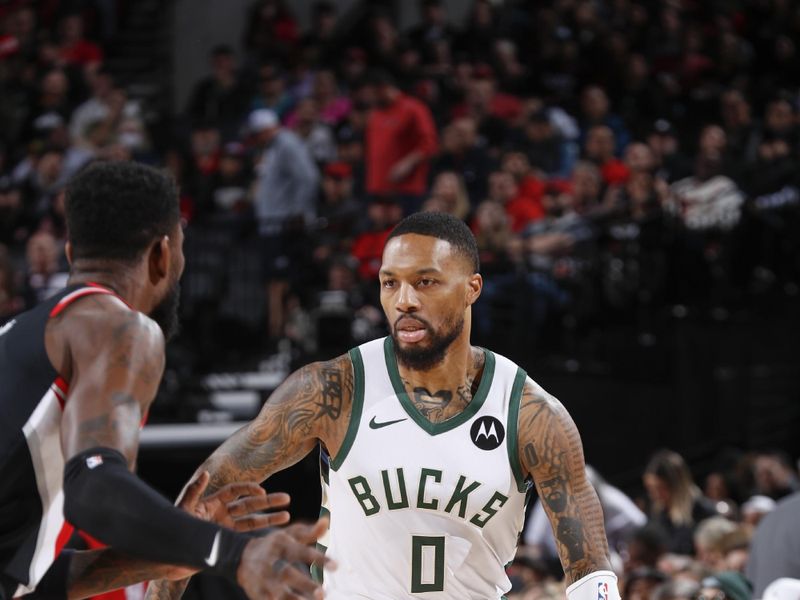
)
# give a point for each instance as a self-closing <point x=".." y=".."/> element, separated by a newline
<point x="629" y="169"/>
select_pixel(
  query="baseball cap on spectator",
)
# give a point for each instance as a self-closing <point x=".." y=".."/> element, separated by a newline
<point x="784" y="588"/>
<point x="338" y="170"/>
<point x="758" y="504"/>
<point x="732" y="583"/>
<point x="261" y="120"/>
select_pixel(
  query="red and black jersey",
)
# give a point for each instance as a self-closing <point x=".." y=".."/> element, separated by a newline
<point x="32" y="397"/>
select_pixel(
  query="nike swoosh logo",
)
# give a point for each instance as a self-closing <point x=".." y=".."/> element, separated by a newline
<point x="373" y="424"/>
<point x="211" y="559"/>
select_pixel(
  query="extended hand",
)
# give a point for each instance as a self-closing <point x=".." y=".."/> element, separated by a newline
<point x="268" y="572"/>
<point x="236" y="506"/>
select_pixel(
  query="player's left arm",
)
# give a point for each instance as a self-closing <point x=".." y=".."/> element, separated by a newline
<point x="237" y="506"/>
<point x="551" y="452"/>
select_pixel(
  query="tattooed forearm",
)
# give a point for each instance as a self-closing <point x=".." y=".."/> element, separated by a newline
<point x="99" y="571"/>
<point x="552" y="453"/>
<point x="306" y="408"/>
<point x="116" y="428"/>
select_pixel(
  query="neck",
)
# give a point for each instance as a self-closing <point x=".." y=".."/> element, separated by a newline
<point x="122" y="280"/>
<point x="446" y="389"/>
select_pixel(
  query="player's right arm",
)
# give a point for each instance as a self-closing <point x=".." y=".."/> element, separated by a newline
<point x="114" y="358"/>
<point x="313" y="405"/>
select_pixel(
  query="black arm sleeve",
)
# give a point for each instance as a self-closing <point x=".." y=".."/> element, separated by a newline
<point x="104" y="499"/>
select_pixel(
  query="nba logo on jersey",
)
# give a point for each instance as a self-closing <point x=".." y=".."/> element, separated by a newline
<point x="94" y="461"/>
<point x="602" y="591"/>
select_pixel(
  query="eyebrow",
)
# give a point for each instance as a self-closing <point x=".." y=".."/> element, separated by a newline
<point x="425" y="271"/>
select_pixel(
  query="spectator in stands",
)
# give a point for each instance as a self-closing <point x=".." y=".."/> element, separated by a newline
<point x="642" y="582"/>
<point x="676" y="589"/>
<point x="774" y="475"/>
<point x="448" y="194"/>
<point x="725" y="584"/>
<point x="108" y="105"/>
<point x="46" y="268"/>
<point x="739" y="126"/>
<point x="15" y="221"/>
<point x="599" y="149"/>
<point x="323" y="44"/>
<point x="271" y="29"/>
<point x="400" y="141"/>
<point x="382" y="214"/>
<point x="676" y="503"/>
<point x="433" y="29"/>
<point x="542" y="144"/>
<point x="463" y="154"/>
<point x="671" y="164"/>
<point x="707" y="200"/>
<point x="647" y="545"/>
<point x="271" y="91"/>
<point x="221" y="98"/>
<point x="316" y="134"/>
<point x="339" y="213"/>
<point x="756" y="508"/>
<point x="74" y="47"/>
<point x="284" y="200"/>
<point x="521" y="210"/>
<point x="708" y="538"/>
<point x="227" y="187"/>
<point x="596" y="111"/>
<point x="587" y="185"/>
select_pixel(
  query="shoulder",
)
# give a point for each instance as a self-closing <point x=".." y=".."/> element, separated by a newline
<point x="536" y="400"/>
<point x="98" y="325"/>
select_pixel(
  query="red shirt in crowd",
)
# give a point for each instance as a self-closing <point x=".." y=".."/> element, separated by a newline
<point x="393" y="132"/>
<point x="526" y="206"/>
<point x="82" y="52"/>
<point x="368" y="249"/>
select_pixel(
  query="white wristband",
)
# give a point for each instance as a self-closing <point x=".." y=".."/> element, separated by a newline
<point x="600" y="585"/>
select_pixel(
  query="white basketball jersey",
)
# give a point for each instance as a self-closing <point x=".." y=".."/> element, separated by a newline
<point x="424" y="510"/>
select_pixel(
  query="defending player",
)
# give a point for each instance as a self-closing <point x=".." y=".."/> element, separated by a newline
<point x="78" y="375"/>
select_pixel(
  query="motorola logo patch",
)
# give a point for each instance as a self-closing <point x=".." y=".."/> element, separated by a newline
<point x="487" y="433"/>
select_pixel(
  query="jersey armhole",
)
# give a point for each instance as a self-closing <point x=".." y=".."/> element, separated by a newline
<point x="512" y="426"/>
<point x="355" y="412"/>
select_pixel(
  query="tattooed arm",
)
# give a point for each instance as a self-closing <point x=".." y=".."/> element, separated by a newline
<point x="551" y="452"/>
<point x="312" y="405"/>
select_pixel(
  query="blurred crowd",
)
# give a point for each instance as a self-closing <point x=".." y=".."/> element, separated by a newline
<point x="737" y="537"/>
<point x="617" y="160"/>
<point x="613" y="158"/>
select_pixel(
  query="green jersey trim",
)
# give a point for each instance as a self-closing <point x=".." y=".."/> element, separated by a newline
<point x="436" y="428"/>
<point x="355" y="412"/>
<point x="512" y="443"/>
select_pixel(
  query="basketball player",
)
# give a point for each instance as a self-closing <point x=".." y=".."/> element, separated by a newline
<point x="78" y="375"/>
<point x="428" y="444"/>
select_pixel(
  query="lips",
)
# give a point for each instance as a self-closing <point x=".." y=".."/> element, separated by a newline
<point x="410" y="330"/>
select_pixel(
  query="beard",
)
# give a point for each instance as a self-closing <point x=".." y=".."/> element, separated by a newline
<point x="165" y="314"/>
<point x="424" y="359"/>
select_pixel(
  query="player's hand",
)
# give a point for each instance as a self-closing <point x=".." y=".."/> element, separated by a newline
<point x="236" y="506"/>
<point x="269" y="569"/>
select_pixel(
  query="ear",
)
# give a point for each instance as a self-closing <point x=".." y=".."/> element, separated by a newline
<point x="158" y="260"/>
<point x="474" y="287"/>
<point x="68" y="252"/>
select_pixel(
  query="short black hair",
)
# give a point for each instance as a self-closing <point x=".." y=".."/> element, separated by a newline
<point x="444" y="227"/>
<point x="116" y="210"/>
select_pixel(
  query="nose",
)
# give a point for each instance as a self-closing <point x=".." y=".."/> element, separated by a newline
<point x="407" y="300"/>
